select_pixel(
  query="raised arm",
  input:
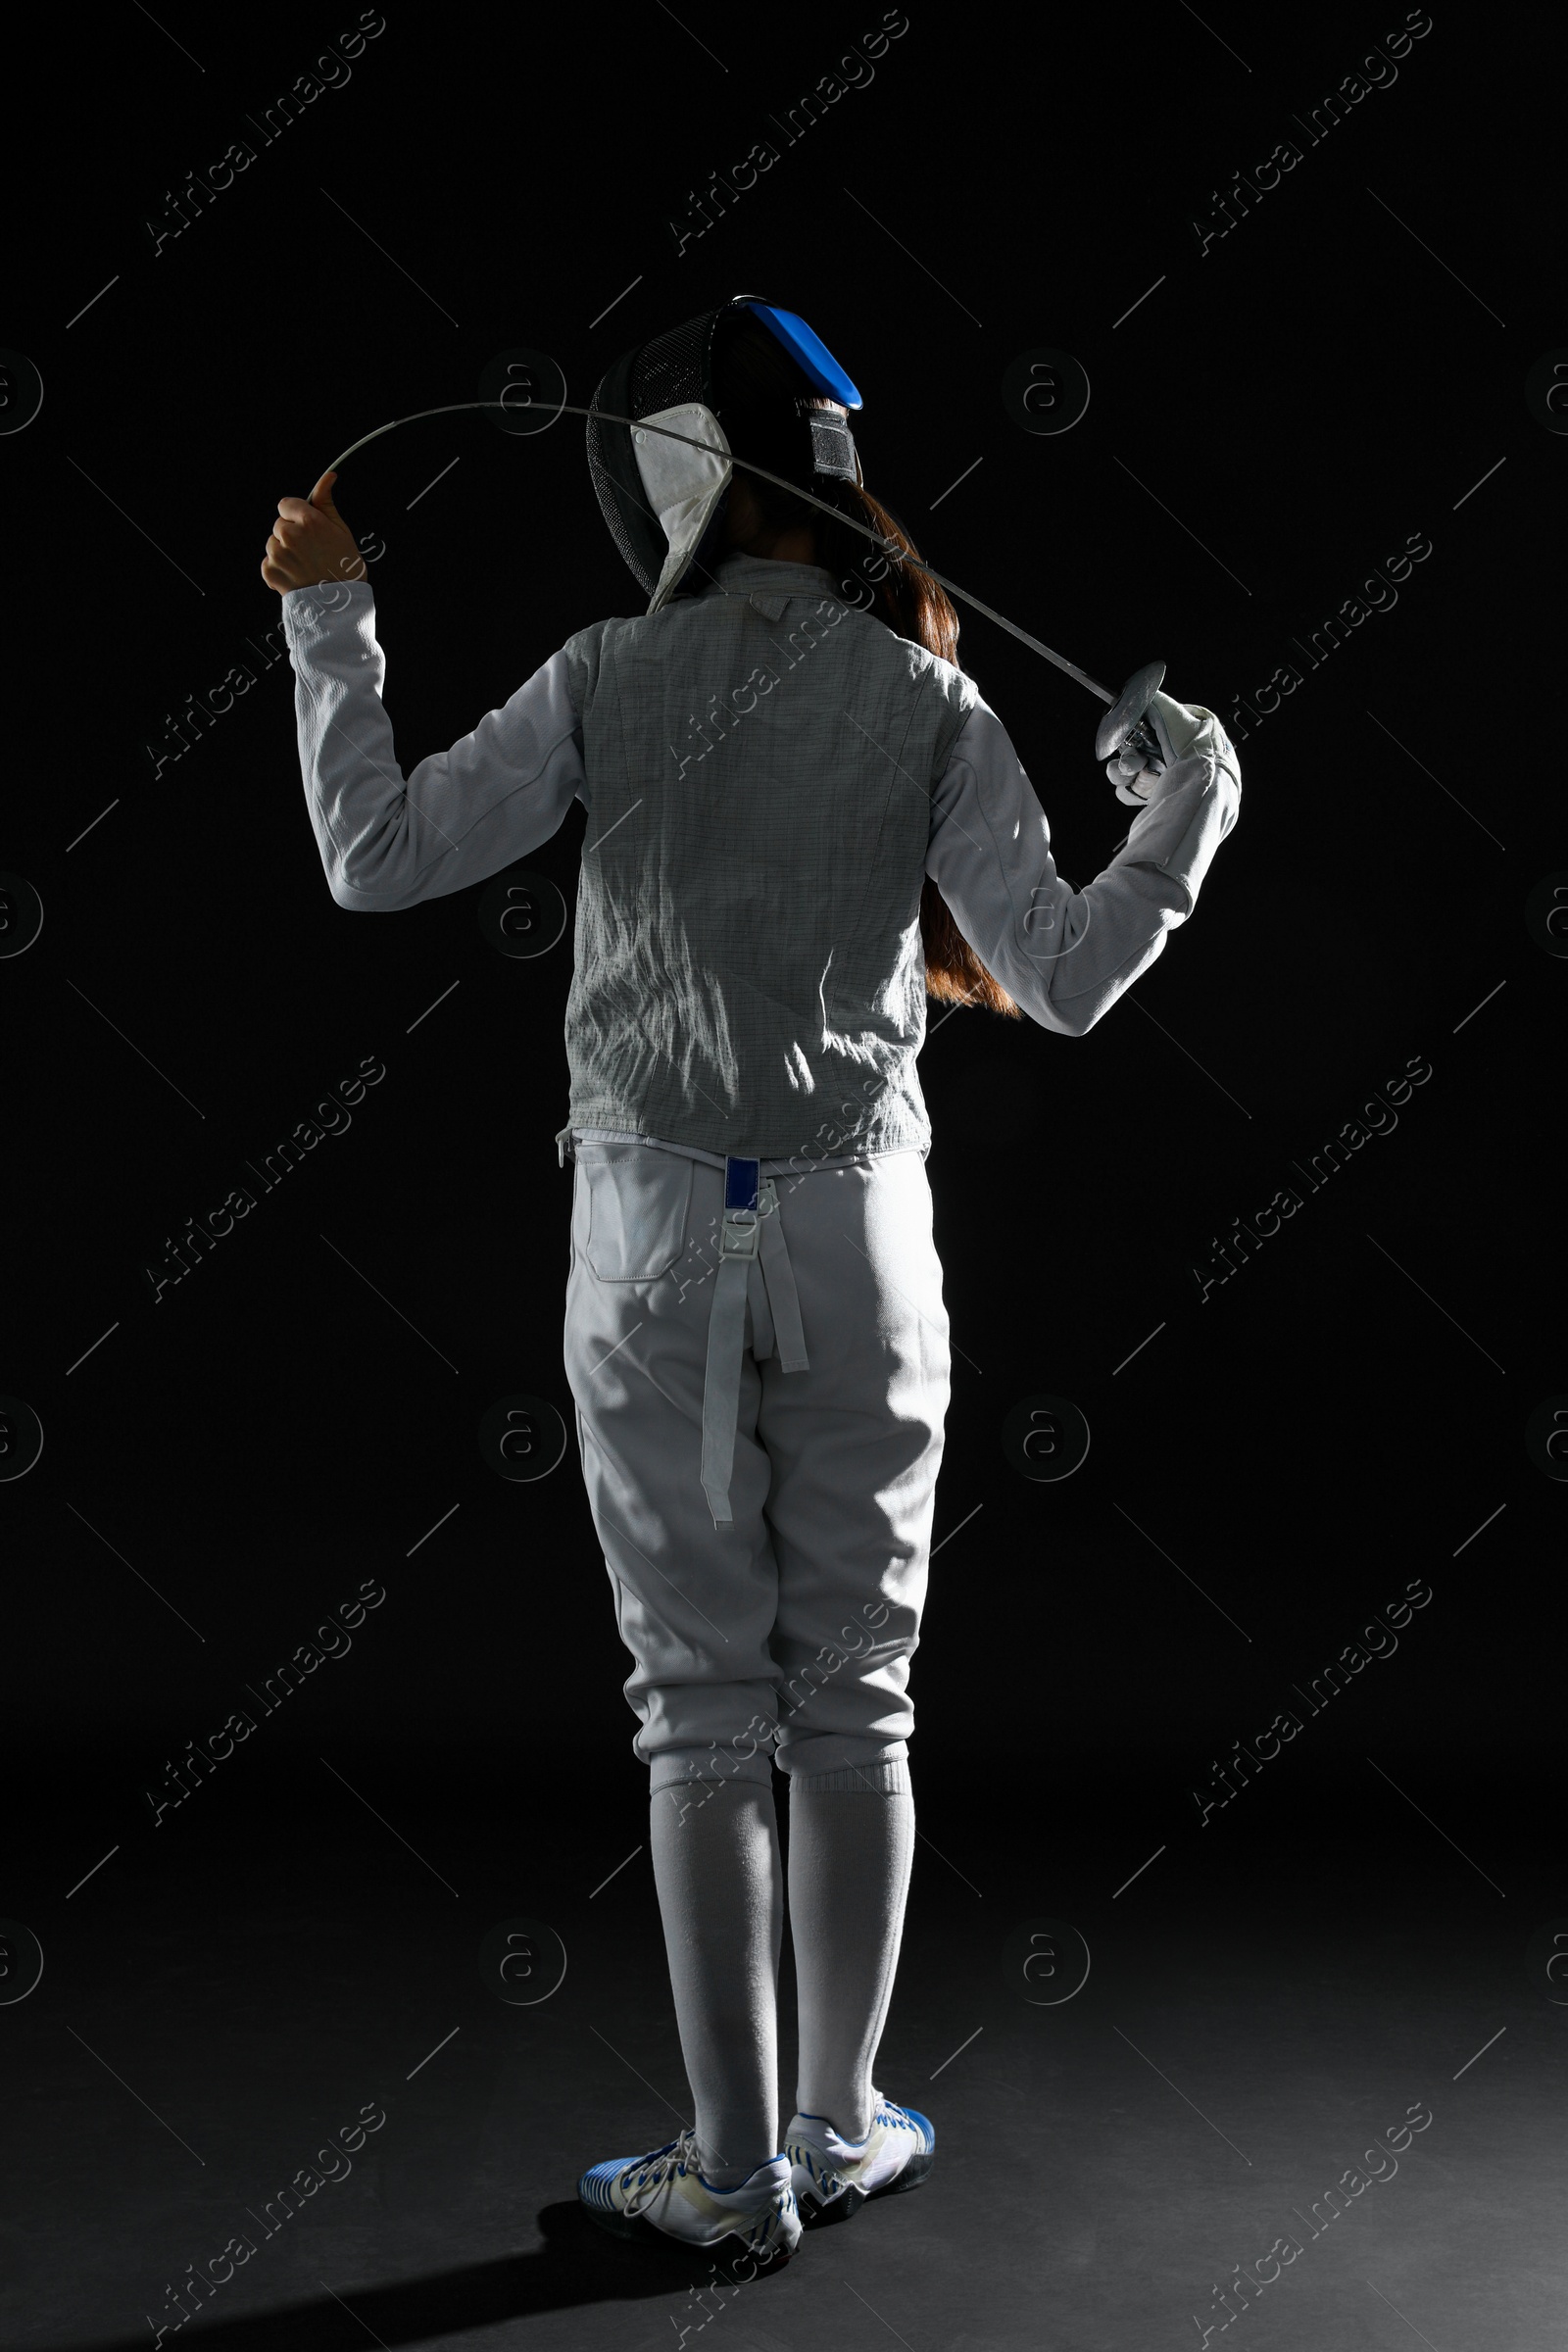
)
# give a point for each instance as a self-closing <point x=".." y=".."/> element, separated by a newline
<point x="1067" y="954"/>
<point x="389" y="841"/>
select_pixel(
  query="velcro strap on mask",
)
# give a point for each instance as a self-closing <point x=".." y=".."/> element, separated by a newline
<point x="832" y="445"/>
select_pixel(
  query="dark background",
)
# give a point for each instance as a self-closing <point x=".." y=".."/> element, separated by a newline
<point x="1343" y="1417"/>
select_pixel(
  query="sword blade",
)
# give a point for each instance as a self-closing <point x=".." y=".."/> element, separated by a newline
<point x="886" y="547"/>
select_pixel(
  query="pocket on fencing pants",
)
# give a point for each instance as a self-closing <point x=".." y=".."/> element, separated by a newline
<point x="637" y="1201"/>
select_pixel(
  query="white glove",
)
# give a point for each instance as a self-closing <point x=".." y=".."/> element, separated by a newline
<point x="1177" y="727"/>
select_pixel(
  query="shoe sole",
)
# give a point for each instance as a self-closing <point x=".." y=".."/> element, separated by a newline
<point x="635" y="2228"/>
<point x="815" y="2215"/>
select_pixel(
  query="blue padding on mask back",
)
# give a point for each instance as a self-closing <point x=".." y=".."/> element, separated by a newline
<point x="813" y="354"/>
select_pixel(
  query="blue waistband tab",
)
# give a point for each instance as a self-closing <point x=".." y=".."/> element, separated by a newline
<point x="739" y="1185"/>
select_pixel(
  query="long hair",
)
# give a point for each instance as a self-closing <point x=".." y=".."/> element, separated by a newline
<point x="756" y="384"/>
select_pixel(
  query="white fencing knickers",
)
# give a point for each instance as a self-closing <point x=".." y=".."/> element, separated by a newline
<point x="785" y="1630"/>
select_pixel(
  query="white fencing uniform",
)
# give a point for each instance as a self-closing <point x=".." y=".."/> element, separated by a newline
<point x="769" y="776"/>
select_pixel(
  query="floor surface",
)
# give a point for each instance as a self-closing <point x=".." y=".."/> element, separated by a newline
<point x="1276" y="2014"/>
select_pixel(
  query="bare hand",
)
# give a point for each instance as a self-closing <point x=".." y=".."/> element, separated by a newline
<point x="311" y="542"/>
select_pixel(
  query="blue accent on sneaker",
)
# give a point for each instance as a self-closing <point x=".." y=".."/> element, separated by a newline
<point x="829" y="2180"/>
<point x="912" y="2115"/>
<point x="596" y="2188"/>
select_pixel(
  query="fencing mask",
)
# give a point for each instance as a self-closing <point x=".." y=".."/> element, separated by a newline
<point x="664" y="501"/>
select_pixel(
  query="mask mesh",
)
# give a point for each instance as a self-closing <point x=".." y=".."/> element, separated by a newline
<point x="664" y="374"/>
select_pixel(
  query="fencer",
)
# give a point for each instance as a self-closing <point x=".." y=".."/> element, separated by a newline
<point x="802" y="821"/>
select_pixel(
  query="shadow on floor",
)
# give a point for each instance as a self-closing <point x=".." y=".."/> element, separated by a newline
<point x="579" y="2263"/>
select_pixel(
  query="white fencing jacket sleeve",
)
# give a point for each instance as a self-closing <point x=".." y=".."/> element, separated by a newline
<point x="1064" y="954"/>
<point x="389" y="841"/>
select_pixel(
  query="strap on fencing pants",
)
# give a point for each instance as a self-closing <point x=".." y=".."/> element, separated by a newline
<point x="752" y="1232"/>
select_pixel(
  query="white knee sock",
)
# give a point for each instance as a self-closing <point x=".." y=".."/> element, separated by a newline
<point x="852" y="1846"/>
<point x="721" y="1897"/>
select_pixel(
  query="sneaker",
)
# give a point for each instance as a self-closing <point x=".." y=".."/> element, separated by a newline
<point x="663" y="2196"/>
<point x="833" y="2177"/>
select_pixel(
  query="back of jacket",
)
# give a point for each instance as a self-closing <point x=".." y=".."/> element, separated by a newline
<point x="760" y="762"/>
